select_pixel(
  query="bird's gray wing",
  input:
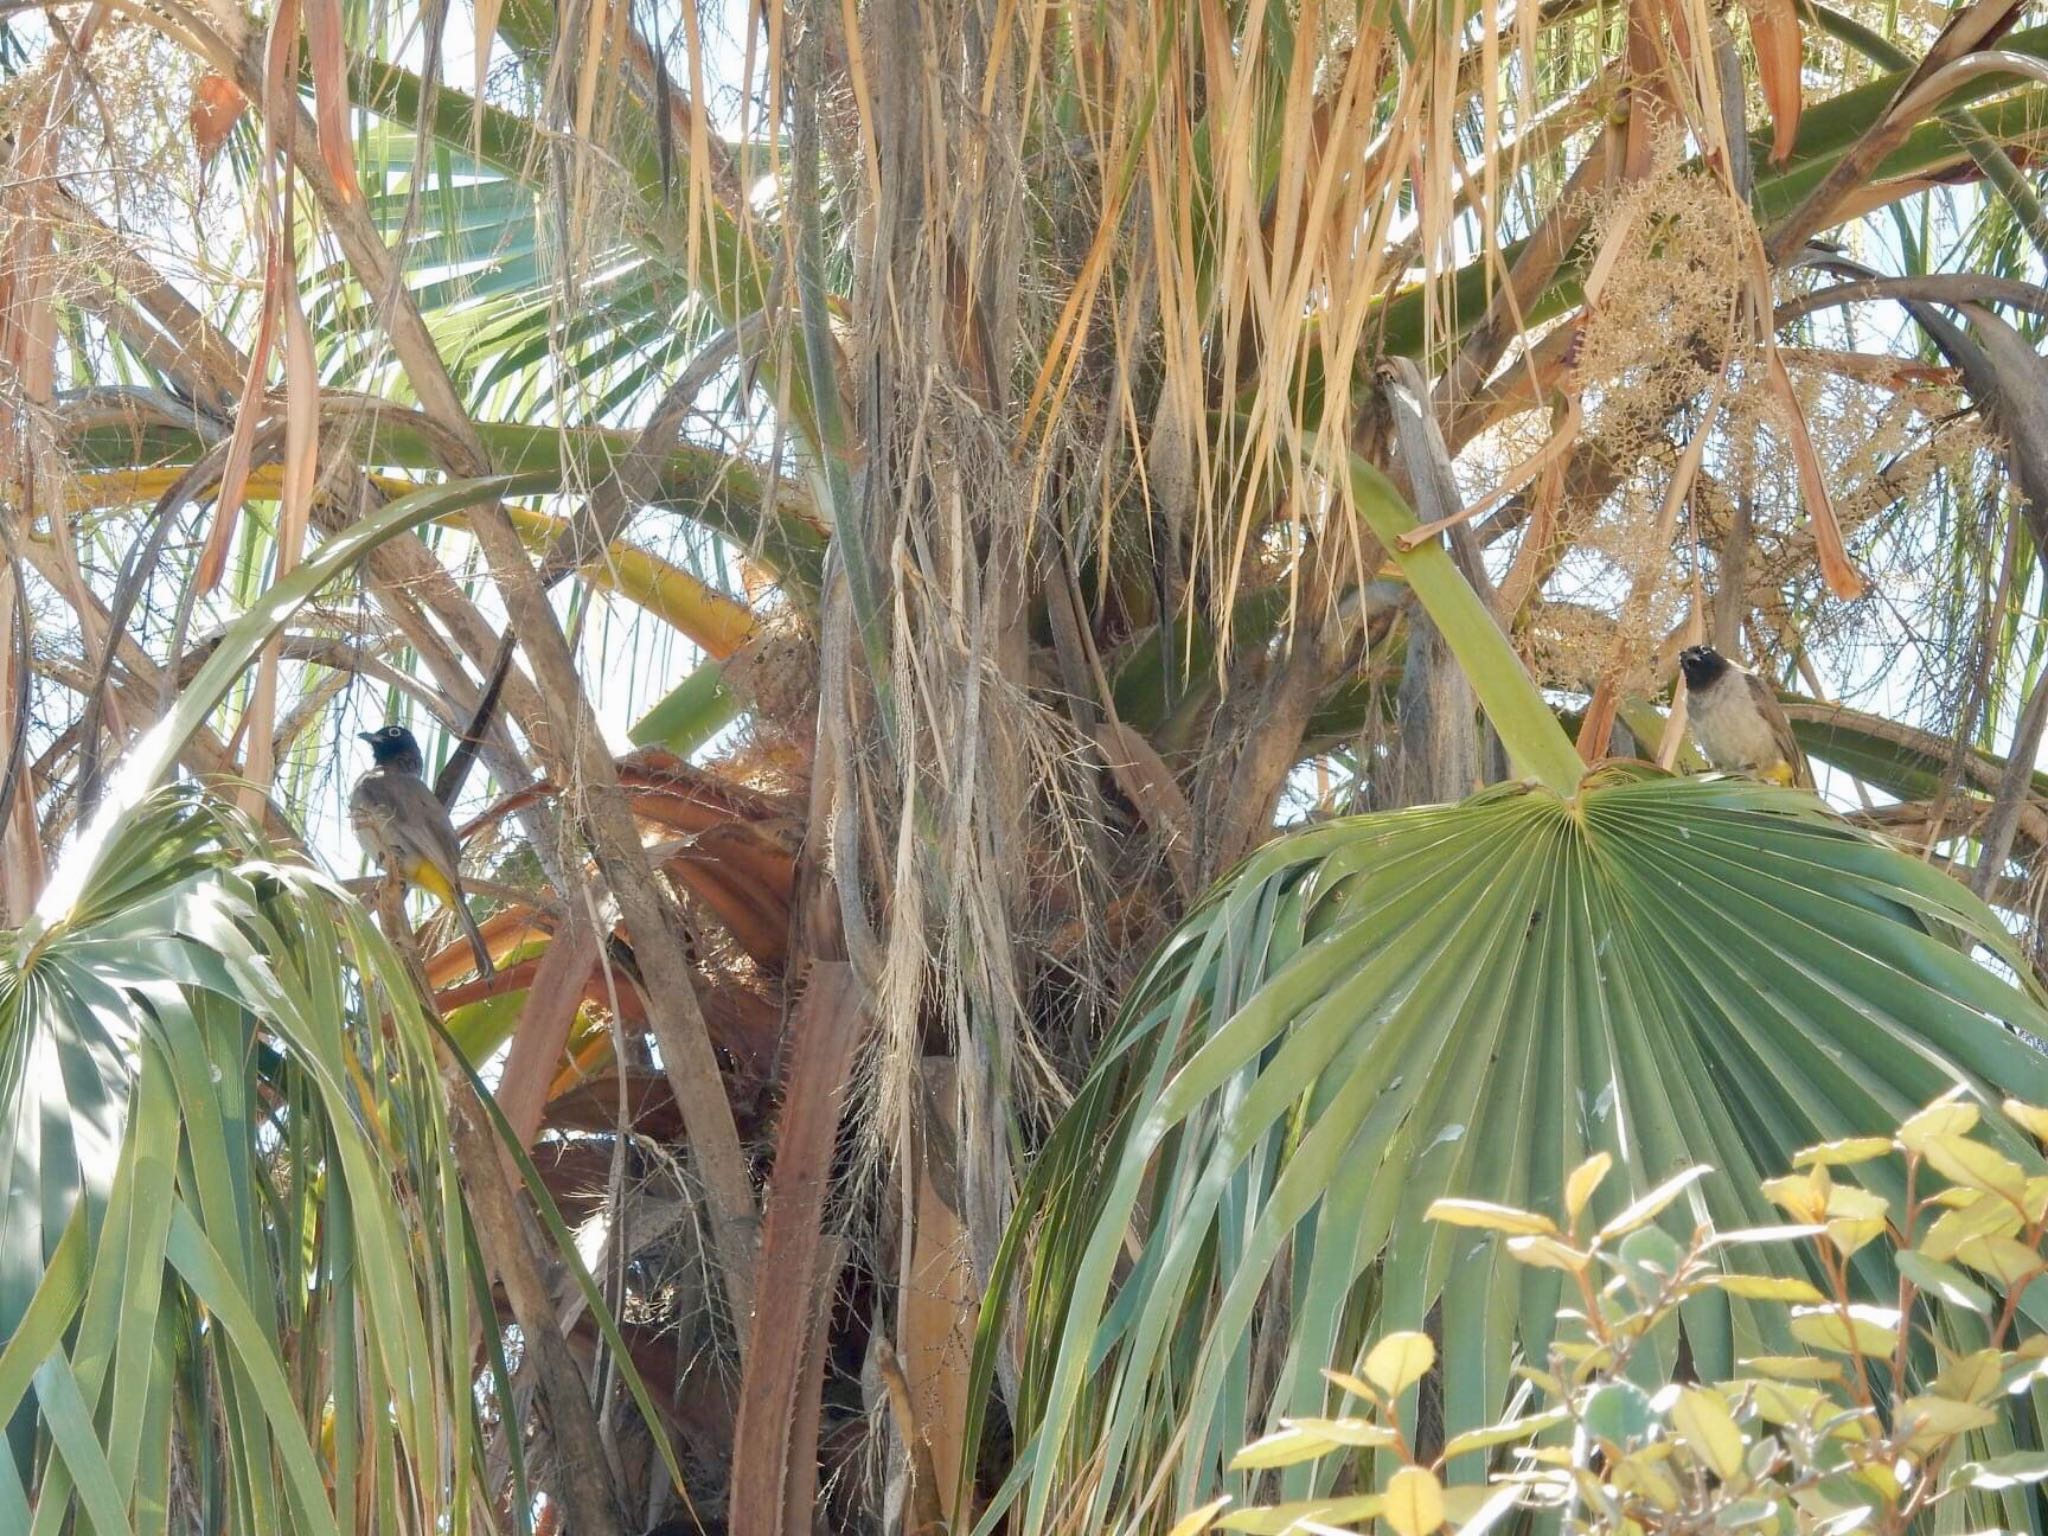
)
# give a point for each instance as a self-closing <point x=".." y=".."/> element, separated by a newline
<point x="373" y="812"/>
<point x="1767" y="705"/>
<point x="405" y="825"/>
<point x="422" y="822"/>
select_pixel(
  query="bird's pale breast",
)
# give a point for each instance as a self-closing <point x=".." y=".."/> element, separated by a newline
<point x="1730" y="730"/>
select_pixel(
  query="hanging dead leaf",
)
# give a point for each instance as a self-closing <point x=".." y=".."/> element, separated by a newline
<point x="330" y="95"/>
<point x="1835" y="567"/>
<point x="1774" y="28"/>
<point x="234" y="484"/>
<point x="487" y="12"/>
<point x="217" y="105"/>
<point x="1596" y="727"/>
<point x="302" y="428"/>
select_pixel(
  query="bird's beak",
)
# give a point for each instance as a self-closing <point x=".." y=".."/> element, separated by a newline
<point x="366" y="735"/>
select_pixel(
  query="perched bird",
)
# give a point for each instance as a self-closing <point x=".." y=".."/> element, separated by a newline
<point x="1737" y="720"/>
<point x="398" y="820"/>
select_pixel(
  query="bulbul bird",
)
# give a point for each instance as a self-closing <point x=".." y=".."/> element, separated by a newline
<point x="398" y="820"/>
<point x="1737" y="720"/>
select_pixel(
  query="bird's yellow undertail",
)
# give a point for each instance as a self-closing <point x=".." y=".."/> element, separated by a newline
<point x="422" y="874"/>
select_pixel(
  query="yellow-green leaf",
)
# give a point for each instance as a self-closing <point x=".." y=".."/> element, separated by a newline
<point x="1843" y="1153"/>
<point x="1490" y="1217"/>
<point x="1358" y="1432"/>
<point x="1852" y="1202"/>
<point x="1276" y="1519"/>
<point x="1927" y="1421"/>
<point x="2030" y="1118"/>
<point x="1880" y="1480"/>
<point x="1639" y="1474"/>
<point x="1507" y="1432"/>
<point x="1549" y="1385"/>
<point x="1585" y="1178"/>
<point x="1803" y="1198"/>
<point x="1768" y="1288"/>
<point x="1414" y="1502"/>
<point x="1283" y="1448"/>
<point x="1710" y="1429"/>
<point x="1865" y="1330"/>
<point x="1849" y="1424"/>
<point x="1975" y="1166"/>
<point x="1982" y="1216"/>
<point x="1794" y="1367"/>
<point x="1547" y="1253"/>
<point x="1973" y="1378"/>
<point x="2036" y="1198"/>
<point x="1781" y="1402"/>
<point x="1848" y="1236"/>
<point x="1951" y="1117"/>
<point x="1398" y="1361"/>
<point x="1647" y="1209"/>
<point x="2005" y="1259"/>
<point x="1350" y="1383"/>
<point x="1589" y="1358"/>
<point x="1196" y="1521"/>
<point x="1951" y="1197"/>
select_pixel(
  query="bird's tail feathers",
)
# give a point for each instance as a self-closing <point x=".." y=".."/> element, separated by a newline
<point x="477" y="947"/>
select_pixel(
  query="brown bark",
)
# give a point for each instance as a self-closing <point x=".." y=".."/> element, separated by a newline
<point x="774" y="1466"/>
<point x="2015" y="789"/>
<point x="582" y="1480"/>
<point x="510" y="1245"/>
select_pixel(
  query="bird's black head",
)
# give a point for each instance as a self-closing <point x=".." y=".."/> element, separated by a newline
<point x="393" y="748"/>
<point x="1702" y="665"/>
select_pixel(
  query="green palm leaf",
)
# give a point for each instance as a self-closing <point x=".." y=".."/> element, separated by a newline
<point x="1466" y="1000"/>
<point x="209" y="1084"/>
<point x="210" y="1067"/>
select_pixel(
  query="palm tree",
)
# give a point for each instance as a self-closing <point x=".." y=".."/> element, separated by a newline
<point x="995" y="465"/>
